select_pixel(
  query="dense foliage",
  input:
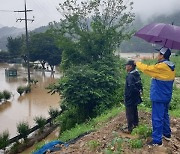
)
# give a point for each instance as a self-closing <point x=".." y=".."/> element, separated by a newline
<point x="89" y="34"/>
<point x="23" y="128"/>
<point x="43" y="48"/>
<point x="88" y="90"/>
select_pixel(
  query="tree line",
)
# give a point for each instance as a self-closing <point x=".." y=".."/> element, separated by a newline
<point x="42" y="47"/>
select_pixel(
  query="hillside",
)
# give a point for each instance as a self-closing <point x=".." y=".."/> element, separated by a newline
<point x="6" y="32"/>
<point x="111" y="138"/>
<point x="138" y="45"/>
<point x="133" y="45"/>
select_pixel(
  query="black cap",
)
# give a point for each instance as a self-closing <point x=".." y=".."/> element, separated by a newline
<point x="165" y="51"/>
<point x="131" y="62"/>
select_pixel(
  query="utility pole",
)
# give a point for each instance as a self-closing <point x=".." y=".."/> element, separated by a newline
<point x="27" y="37"/>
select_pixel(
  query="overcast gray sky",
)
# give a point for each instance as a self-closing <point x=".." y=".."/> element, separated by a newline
<point x="45" y="11"/>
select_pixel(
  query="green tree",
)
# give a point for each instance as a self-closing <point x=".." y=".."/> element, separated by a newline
<point x="6" y="95"/>
<point x="4" y="56"/>
<point x="89" y="35"/>
<point x="92" y="29"/>
<point x="14" y="46"/>
<point x="4" y="137"/>
<point x="20" y="90"/>
<point x="23" y="129"/>
<point x="43" y="48"/>
<point x="41" y="122"/>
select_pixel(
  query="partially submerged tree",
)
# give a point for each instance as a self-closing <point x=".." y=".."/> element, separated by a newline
<point x="4" y="138"/>
<point x="23" y="129"/>
<point x="44" y="49"/>
<point x="41" y="122"/>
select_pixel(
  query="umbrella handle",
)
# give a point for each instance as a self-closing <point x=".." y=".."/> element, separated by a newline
<point x="165" y="43"/>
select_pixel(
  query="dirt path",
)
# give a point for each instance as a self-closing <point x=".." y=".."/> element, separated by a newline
<point x="105" y="135"/>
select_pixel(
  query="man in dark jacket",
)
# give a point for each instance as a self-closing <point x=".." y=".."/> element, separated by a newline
<point x="133" y="89"/>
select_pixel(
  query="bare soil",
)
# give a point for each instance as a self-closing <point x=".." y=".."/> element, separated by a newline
<point x="105" y="135"/>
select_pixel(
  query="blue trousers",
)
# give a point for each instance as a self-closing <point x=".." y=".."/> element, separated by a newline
<point x="160" y="121"/>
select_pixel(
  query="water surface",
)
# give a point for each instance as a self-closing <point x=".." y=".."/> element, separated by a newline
<point x="27" y="106"/>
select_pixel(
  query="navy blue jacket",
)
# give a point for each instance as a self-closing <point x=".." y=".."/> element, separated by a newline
<point x="133" y="88"/>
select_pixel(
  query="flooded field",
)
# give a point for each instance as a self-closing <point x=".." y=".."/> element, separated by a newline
<point x="28" y="106"/>
<point x="140" y="55"/>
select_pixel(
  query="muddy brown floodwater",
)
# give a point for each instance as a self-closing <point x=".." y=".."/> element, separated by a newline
<point x="27" y="106"/>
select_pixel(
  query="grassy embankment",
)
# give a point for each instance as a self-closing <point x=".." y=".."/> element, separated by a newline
<point x="96" y="123"/>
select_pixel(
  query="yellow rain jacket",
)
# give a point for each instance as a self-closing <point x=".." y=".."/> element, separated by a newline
<point x="163" y="74"/>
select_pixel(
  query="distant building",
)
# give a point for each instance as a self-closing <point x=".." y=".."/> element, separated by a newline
<point x="11" y="72"/>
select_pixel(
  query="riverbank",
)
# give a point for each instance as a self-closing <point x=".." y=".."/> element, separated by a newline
<point x="96" y="124"/>
<point x="110" y="138"/>
<point x="52" y="136"/>
<point x="107" y="137"/>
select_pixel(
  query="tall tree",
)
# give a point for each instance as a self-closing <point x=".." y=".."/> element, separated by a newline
<point x="44" y="49"/>
<point x="89" y="34"/>
<point x="14" y="46"/>
<point x="92" y="29"/>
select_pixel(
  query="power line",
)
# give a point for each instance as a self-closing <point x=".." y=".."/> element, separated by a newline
<point x="6" y="11"/>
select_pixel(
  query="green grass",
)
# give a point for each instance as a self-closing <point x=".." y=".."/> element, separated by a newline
<point x="176" y="60"/>
<point x="76" y="131"/>
<point x="175" y="113"/>
<point x="143" y="131"/>
<point x="93" y="145"/>
<point x="136" y="143"/>
<point x="90" y="125"/>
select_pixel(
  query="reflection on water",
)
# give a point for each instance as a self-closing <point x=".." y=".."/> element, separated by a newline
<point x="27" y="106"/>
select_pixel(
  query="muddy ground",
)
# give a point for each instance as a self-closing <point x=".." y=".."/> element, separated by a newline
<point x="105" y="135"/>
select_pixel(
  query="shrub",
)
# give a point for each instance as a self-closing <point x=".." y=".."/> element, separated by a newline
<point x="6" y="95"/>
<point x="93" y="145"/>
<point x="4" y="137"/>
<point x="136" y="143"/>
<point x="53" y="112"/>
<point x="23" y="129"/>
<point x="143" y="131"/>
<point x="20" y="90"/>
<point x="41" y="122"/>
<point x="34" y="81"/>
<point x="68" y="119"/>
<point x="27" y="89"/>
<point x="1" y="96"/>
<point x="90" y="89"/>
<point x="115" y="146"/>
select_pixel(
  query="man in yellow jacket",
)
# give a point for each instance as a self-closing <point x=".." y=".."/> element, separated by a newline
<point x="163" y="74"/>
